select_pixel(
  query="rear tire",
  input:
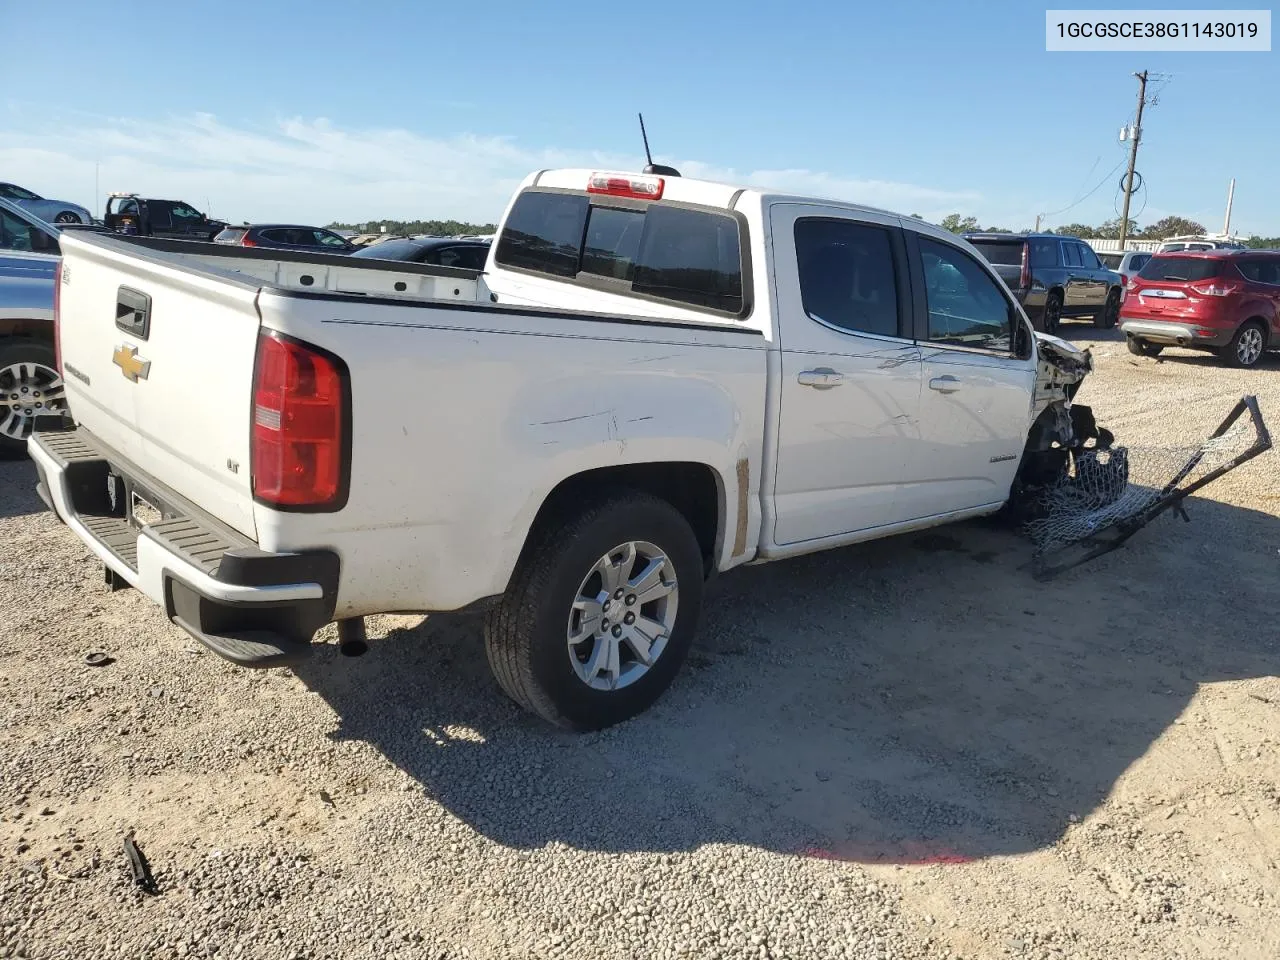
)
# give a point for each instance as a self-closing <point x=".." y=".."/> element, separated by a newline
<point x="29" y="387"/>
<point x="1140" y="348"/>
<point x="562" y="589"/>
<point x="1247" y="346"/>
<point x="1110" y="313"/>
<point x="1051" y="316"/>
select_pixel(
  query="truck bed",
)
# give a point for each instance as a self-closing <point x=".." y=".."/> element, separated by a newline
<point x="465" y="414"/>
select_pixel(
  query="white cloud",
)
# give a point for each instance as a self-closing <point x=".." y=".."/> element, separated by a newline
<point x="310" y="170"/>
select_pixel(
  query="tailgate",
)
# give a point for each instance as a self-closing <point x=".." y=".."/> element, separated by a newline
<point x="157" y="353"/>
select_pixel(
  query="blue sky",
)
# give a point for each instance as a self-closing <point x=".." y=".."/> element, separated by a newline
<point x="321" y="110"/>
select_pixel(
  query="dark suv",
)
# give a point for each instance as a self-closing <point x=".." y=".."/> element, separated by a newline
<point x="1053" y="277"/>
<point x="137" y="216"/>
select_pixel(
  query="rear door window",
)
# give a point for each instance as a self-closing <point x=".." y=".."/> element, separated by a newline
<point x="1044" y="253"/>
<point x="158" y="213"/>
<point x="847" y="275"/>
<point x="1184" y="269"/>
<point x="1071" y="254"/>
<point x="1138" y="262"/>
<point x="682" y="254"/>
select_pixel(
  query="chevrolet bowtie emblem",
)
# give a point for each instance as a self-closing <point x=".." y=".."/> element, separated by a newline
<point x="132" y="365"/>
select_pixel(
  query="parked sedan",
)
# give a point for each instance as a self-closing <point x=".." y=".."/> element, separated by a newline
<point x="286" y="236"/>
<point x="441" y="251"/>
<point x="51" y="211"/>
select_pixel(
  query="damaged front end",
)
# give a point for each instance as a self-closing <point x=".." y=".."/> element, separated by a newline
<point x="1078" y="495"/>
<point x="1060" y="429"/>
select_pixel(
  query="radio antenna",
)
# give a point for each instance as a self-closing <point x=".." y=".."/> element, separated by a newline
<point x="647" y="155"/>
<point x="650" y="166"/>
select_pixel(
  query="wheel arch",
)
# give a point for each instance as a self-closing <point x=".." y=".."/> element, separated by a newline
<point x="1262" y="322"/>
<point x="697" y="490"/>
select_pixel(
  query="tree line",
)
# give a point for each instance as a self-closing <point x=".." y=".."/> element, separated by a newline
<point x="435" y="228"/>
<point x="1108" y="230"/>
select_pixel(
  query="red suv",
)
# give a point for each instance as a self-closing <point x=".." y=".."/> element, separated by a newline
<point x="1227" y="301"/>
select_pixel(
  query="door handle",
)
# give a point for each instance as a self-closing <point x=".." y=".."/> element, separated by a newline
<point x="823" y="378"/>
<point x="947" y="384"/>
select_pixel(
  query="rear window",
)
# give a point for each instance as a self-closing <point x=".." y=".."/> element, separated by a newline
<point x="391" y="250"/>
<point x="544" y="233"/>
<point x="1111" y="260"/>
<point x="998" y="251"/>
<point x="1181" y="268"/>
<point x="679" y="254"/>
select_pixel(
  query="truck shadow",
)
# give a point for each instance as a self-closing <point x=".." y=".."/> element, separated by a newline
<point x="18" y="496"/>
<point x="917" y="700"/>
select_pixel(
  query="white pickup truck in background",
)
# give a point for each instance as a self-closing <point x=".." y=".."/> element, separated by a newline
<point x="654" y="379"/>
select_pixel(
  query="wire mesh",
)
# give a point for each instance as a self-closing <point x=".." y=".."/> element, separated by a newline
<point x="1102" y="488"/>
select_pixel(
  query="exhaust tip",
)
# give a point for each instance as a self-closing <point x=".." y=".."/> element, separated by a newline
<point x="353" y="641"/>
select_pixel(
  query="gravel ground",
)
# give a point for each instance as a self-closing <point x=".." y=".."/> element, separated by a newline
<point x="905" y="749"/>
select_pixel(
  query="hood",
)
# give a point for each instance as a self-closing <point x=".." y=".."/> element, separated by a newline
<point x="1060" y="369"/>
<point x="1063" y="353"/>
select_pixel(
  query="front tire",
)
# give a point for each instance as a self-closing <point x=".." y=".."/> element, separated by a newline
<point x="66" y="216"/>
<point x="1110" y="312"/>
<point x="1247" y="346"/>
<point x="29" y="387"/>
<point x="600" y="612"/>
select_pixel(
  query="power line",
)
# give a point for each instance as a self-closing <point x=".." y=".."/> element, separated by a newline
<point x="1081" y="200"/>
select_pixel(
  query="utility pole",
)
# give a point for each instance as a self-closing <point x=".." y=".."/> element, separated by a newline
<point x="1231" y="193"/>
<point x="1133" y="157"/>
<point x="1038" y="216"/>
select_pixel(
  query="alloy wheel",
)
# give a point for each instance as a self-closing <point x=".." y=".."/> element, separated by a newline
<point x="622" y="616"/>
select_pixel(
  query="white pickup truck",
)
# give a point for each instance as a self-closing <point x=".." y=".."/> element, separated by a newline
<point x="653" y="380"/>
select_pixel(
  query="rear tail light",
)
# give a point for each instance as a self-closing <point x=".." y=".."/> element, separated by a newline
<point x="638" y="188"/>
<point x="57" y="317"/>
<point x="1214" y="288"/>
<point x="301" y="433"/>
<point x="1024" y="278"/>
<point x="248" y="241"/>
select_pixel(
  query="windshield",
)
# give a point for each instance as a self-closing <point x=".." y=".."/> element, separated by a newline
<point x="1111" y="260"/>
<point x="1000" y="251"/>
<point x="12" y="192"/>
<point x="1184" y="269"/>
